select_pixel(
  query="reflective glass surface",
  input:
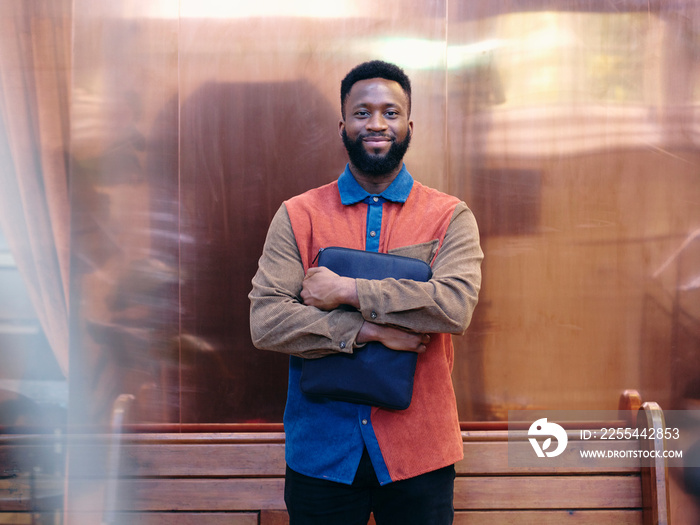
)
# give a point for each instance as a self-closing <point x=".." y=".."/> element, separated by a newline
<point x="147" y="145"/>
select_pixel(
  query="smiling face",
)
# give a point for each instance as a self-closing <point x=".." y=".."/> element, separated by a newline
<point x="376" y="129"/>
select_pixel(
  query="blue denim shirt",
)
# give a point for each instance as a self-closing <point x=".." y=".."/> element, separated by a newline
<point x="325" y="438"/>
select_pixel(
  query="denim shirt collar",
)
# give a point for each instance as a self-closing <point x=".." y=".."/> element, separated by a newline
<point x="351" y="192"/>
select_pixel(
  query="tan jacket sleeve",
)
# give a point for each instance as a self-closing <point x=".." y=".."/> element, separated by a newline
<point x="279" y="321"/>
<point x="445" y="303"/>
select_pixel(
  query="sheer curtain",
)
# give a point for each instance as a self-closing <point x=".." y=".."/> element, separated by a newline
<point x="34" y="138"/>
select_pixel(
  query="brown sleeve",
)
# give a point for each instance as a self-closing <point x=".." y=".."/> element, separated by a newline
<point x="445" y="303"/>
<point x="279" y="321"/>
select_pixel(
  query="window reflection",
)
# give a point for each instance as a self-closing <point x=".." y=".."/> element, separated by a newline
<point x="33" y="390"/>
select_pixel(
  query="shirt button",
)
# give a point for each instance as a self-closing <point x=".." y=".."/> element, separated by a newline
<point x="372" y="233"/>
<point x="342" y="344"/>
<point x="373" y="315"/>
<point x="375" y="199"/>
<point x="364" y="421"/>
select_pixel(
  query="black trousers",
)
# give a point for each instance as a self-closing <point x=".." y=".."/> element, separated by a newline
<point x="423" y="500"/>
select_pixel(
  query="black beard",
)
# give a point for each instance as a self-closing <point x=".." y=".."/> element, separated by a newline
<point x="376" y="165"/>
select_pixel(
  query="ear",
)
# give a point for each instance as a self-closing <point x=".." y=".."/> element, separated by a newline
<point x="341" y="127"/>
<point x="410" y="127"/>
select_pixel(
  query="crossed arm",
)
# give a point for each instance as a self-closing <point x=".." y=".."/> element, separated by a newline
<point x="327" y="291"/>
<point x="298" y="314"/>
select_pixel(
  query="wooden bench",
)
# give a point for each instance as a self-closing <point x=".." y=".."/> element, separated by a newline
<point x="237" y="478"/>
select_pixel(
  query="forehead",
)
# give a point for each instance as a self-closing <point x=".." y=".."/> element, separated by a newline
<point x="376" y="91"/>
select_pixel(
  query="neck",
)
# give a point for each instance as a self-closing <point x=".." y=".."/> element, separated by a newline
<point x="374" y="184"/>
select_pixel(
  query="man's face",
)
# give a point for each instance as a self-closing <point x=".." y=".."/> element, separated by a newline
<point x="376" y="130"/>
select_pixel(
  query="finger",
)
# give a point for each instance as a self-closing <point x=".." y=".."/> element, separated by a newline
<point x="310" y="272"/>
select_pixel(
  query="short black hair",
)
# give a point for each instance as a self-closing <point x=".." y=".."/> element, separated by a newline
<point x="374" y="69"/>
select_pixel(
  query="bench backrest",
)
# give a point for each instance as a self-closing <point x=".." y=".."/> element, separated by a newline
<point x="238" y="478"/>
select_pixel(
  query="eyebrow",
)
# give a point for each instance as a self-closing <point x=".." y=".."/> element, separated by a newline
<point x="382" y="105"/>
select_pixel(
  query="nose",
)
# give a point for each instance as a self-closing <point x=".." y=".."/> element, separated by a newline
<point x="376" y="122"/>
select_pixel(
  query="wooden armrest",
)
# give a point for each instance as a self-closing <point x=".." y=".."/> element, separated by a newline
<point x="654" y="473"/>
<point x="120" y="415"/>
<point x="630" y="401"/>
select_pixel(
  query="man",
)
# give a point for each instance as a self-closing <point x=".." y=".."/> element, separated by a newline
<point x="346" y="460"/>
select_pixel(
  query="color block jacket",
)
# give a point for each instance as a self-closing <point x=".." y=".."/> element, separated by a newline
<point x="326" y="438"/>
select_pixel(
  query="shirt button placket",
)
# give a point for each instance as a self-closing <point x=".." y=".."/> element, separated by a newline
<point x="374" y="223"/>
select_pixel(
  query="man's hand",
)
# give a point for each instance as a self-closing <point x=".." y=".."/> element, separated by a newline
<point x="326" y="290"/>
<point x="393" y="338"/>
